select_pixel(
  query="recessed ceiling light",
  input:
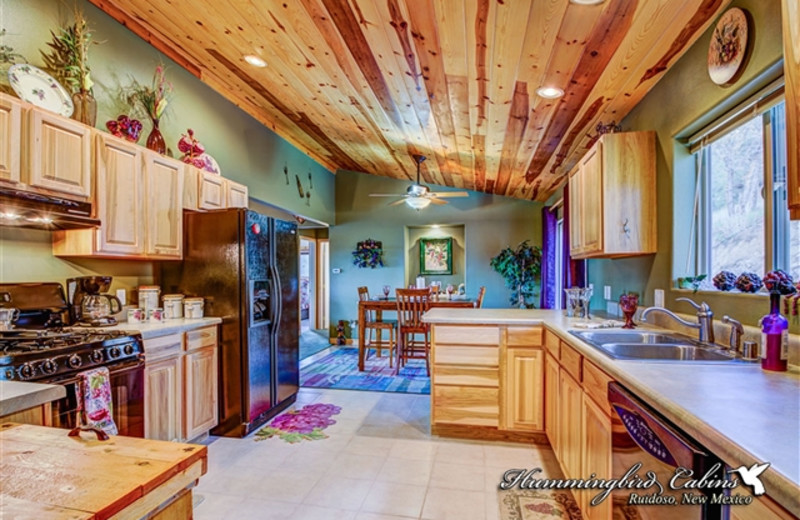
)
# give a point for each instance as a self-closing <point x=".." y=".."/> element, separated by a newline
<point x="550" y="92"/>
<point x="587" y="2"/>
<point x="255" y="61"/>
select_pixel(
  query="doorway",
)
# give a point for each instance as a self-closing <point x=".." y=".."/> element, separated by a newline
<point x="314" y="294"/>
<point x="308" y="275"/>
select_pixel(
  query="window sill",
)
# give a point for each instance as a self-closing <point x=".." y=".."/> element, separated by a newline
<point x="714" y="292"/>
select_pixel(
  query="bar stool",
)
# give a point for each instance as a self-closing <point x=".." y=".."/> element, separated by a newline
<point x="481" y="294"/>
<point x="411" y="305"/>
<point x="374" y="324"/>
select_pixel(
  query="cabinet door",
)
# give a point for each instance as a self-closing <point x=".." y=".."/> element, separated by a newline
<point x="164" y="181"/>
<point x="575" y="203"/>
<point x="211" y="191"/>
<point x="595" y="458"/>
<point x="237" y="194"/>
<point x="120" y="197"/>
<point x="10" y="139"/>
<point x="790" y="16"/>
<point x="162" y="394"/>
<point x="551" y="401"/>
<point x="569" y="427"/>
<point x="524" y="388"/>
<point x="59" y="151"/>
<point x="591" y="172"/>
<point x="200" y="391"/>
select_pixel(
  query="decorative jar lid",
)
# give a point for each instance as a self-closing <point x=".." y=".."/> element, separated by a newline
<point x="173" y="297"/>
<point x="149" y="288"/>
<point x="194" y="300"/>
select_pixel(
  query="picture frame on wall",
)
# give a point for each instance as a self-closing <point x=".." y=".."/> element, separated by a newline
<point x="436" y="255"/>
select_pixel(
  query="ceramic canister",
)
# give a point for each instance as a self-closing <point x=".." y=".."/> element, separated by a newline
<point x="148" y="297"/>
<point x="193" y="308"/>
<point x="173" y="306"/>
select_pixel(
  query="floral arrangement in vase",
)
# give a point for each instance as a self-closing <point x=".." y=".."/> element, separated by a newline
<point x="152" y="100"/>
<point x="68" y="61"/>
<point x="368" y="253"/>
<point x="194" y="153"/>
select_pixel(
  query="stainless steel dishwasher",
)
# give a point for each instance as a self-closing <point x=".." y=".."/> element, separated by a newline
<point x="642" y="436"/>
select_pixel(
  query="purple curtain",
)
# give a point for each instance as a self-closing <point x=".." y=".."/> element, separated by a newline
<point x="574" y="271"/>
<point x="549" y="245"/>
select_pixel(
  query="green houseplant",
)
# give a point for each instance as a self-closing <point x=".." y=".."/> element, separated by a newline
<point x="520" y="268"/>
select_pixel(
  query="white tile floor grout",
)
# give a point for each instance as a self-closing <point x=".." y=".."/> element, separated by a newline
<point x="379" y="463"/>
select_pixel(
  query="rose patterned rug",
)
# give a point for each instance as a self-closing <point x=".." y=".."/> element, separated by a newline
<point x="305" y="424"/>
<point x="530" y="504"/>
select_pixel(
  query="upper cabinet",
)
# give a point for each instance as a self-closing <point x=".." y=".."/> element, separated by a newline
<point x="612" y="198"/>
<point x="791" y="65"/>
<point x="164" y="187"/>
<point x="11" y="141"/>
<point x="208" y="191"/>
<point x="237" y="194"/>
<point x="59" y="154"/>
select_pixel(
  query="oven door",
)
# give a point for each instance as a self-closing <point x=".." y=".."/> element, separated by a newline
<point x="127" y="392"/>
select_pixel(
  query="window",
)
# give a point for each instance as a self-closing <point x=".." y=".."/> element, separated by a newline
<point x="743" y="220"/>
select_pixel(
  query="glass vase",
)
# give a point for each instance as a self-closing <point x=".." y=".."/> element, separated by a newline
<point x="629" y="303"/>
<point x="155" y="141"/>
<point x="85" y="108"/>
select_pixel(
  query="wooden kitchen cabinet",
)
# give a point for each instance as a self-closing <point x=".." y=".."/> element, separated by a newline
<point x="524" y="387"/>
<point x="551" y="400"/>
<point x="570" y="418"/>
<point x="164" y="181"/>
<point x="612" y="197"/>
<point x="59" y="154"/>
<point x="204" y="190"/>
<point x="163" y="395"/>
<point x="595" y="457"/>
<point x="790" y="16"/>
<point x="200" y="391"/>
<point x="10" y="139"/>
<point x="236" y="194"/>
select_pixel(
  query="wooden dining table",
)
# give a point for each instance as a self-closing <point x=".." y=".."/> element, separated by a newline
<point x="380" y="305"/>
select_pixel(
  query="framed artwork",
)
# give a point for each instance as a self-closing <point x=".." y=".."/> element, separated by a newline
<point x="727" y="52"/>
<point x="436" y="255"/>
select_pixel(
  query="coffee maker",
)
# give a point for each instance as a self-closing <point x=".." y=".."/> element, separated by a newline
<point x="88" y="305"/>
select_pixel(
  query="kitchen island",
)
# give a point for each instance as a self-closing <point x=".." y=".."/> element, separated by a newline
<point x="46" y="474"/>
<point x="737" y="411"/>
<point x="18" y="396"/>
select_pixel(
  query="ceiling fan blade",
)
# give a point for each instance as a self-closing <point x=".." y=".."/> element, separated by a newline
<point x="386" y="194"/>
<point x="448" y="194"/>
<point x="435" y="200"/>
<point x="397" y="202"/>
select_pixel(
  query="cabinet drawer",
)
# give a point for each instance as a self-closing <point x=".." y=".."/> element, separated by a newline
<point x="163" y="346"/>
<point x="466" y="355"/>
<point x="205" y="337"/>
<point x="551" y="343"/>
<point x="467" y="376"/>
<point x="524" y="337"/>
<point x="571" y="361"/>
<point x="595" y="384"/>
<point x="465" y="405"/>
<point x="455" y="335"/>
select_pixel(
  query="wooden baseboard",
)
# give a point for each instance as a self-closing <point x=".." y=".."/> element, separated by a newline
<point x="488" y="433"/>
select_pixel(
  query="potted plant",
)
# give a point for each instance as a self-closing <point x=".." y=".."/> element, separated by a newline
<point x="691" y="282"/>
<point x="520" y="268"/>
<point x="68" y="61"/>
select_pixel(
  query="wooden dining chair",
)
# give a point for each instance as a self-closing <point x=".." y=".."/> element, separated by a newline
<point x="375" y="324"/>
<point x="481" y="294"/>
<point x="411" y="305"/>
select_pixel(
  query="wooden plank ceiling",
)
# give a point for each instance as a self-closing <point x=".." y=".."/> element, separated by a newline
<point x="364" y="84"/>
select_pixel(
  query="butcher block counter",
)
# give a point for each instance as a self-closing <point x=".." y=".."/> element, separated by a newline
<point x="45" y="474"/>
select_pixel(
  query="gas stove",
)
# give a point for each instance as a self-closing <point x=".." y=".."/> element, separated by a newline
<point x="51" y="355"/>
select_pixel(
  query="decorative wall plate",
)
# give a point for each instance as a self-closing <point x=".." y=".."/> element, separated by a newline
<point x="729" y="47"/>
<point x="39" y="88"/>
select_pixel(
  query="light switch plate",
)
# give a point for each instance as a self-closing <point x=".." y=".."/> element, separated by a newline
<point x="607" y="292"/>
<point x="336" y="270"/>
<point x="658" y="298"/>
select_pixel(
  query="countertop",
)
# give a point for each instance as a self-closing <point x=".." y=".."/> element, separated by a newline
<point x="150" y="330"/>
<point x="16" y="396"/>
<point x="738" y="411"/>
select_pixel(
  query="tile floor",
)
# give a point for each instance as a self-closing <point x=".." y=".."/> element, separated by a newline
<point x="380" y="463"/>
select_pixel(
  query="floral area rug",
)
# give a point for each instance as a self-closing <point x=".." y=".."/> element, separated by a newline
<point x="530" y="504"/>
<point x="305" y="424"/>
<point x="339" y="369"/>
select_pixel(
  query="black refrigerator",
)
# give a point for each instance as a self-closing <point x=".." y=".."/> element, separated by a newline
<point x="245" y="265"/>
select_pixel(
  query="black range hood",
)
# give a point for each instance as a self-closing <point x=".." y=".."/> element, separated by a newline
<point x="19" y="208"/>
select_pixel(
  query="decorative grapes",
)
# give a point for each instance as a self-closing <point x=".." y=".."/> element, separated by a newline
<point x="749" y="282"/>
<point x="779" y="281"/>
<point x="725" y="280"/>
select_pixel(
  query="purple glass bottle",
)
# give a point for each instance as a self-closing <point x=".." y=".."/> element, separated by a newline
<point x="775" y="337"/>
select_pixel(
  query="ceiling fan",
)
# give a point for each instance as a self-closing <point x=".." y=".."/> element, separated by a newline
<point x="418" y="195"/>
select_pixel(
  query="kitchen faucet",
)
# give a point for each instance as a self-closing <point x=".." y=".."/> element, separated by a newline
<point x="737" y="331"/>
<point x="705" y="319"/>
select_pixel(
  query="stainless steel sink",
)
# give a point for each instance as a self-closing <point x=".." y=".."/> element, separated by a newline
<point x="653" y="346"/>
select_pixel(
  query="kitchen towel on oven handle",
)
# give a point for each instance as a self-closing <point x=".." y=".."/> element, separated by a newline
<point x="96" y="407"/>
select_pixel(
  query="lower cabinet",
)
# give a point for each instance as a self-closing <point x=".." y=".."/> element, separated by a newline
<point x="181" y="385"/>
<point x="570" y="418"/>
<point x="551" y="400"/>
<point x="596" y="457"/>
<point x="524" y="387"/>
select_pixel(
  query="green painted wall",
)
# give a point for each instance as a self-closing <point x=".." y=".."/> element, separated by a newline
<point x="457" y="233"/>
<point x="682" y="102"/>
<point x="490" y="224"/>
<point x="247" y="151"/>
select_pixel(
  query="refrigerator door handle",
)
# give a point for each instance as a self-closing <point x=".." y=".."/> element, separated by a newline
<point x="278" y="300"/>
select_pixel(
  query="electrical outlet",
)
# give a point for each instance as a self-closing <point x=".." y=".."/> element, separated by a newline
<point x="658" y="298"/>
<point x="607" y="292"/>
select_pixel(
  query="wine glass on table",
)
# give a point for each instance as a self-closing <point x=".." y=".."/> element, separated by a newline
<point x="450" y="290"/>
<point x="386" y="290"/>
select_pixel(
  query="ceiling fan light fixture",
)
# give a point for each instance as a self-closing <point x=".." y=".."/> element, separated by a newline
<point x="549" y="92"/>
<point x="418" y="202"/>
<point x="586" y="2"/>
<point x="255" y="61"/>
